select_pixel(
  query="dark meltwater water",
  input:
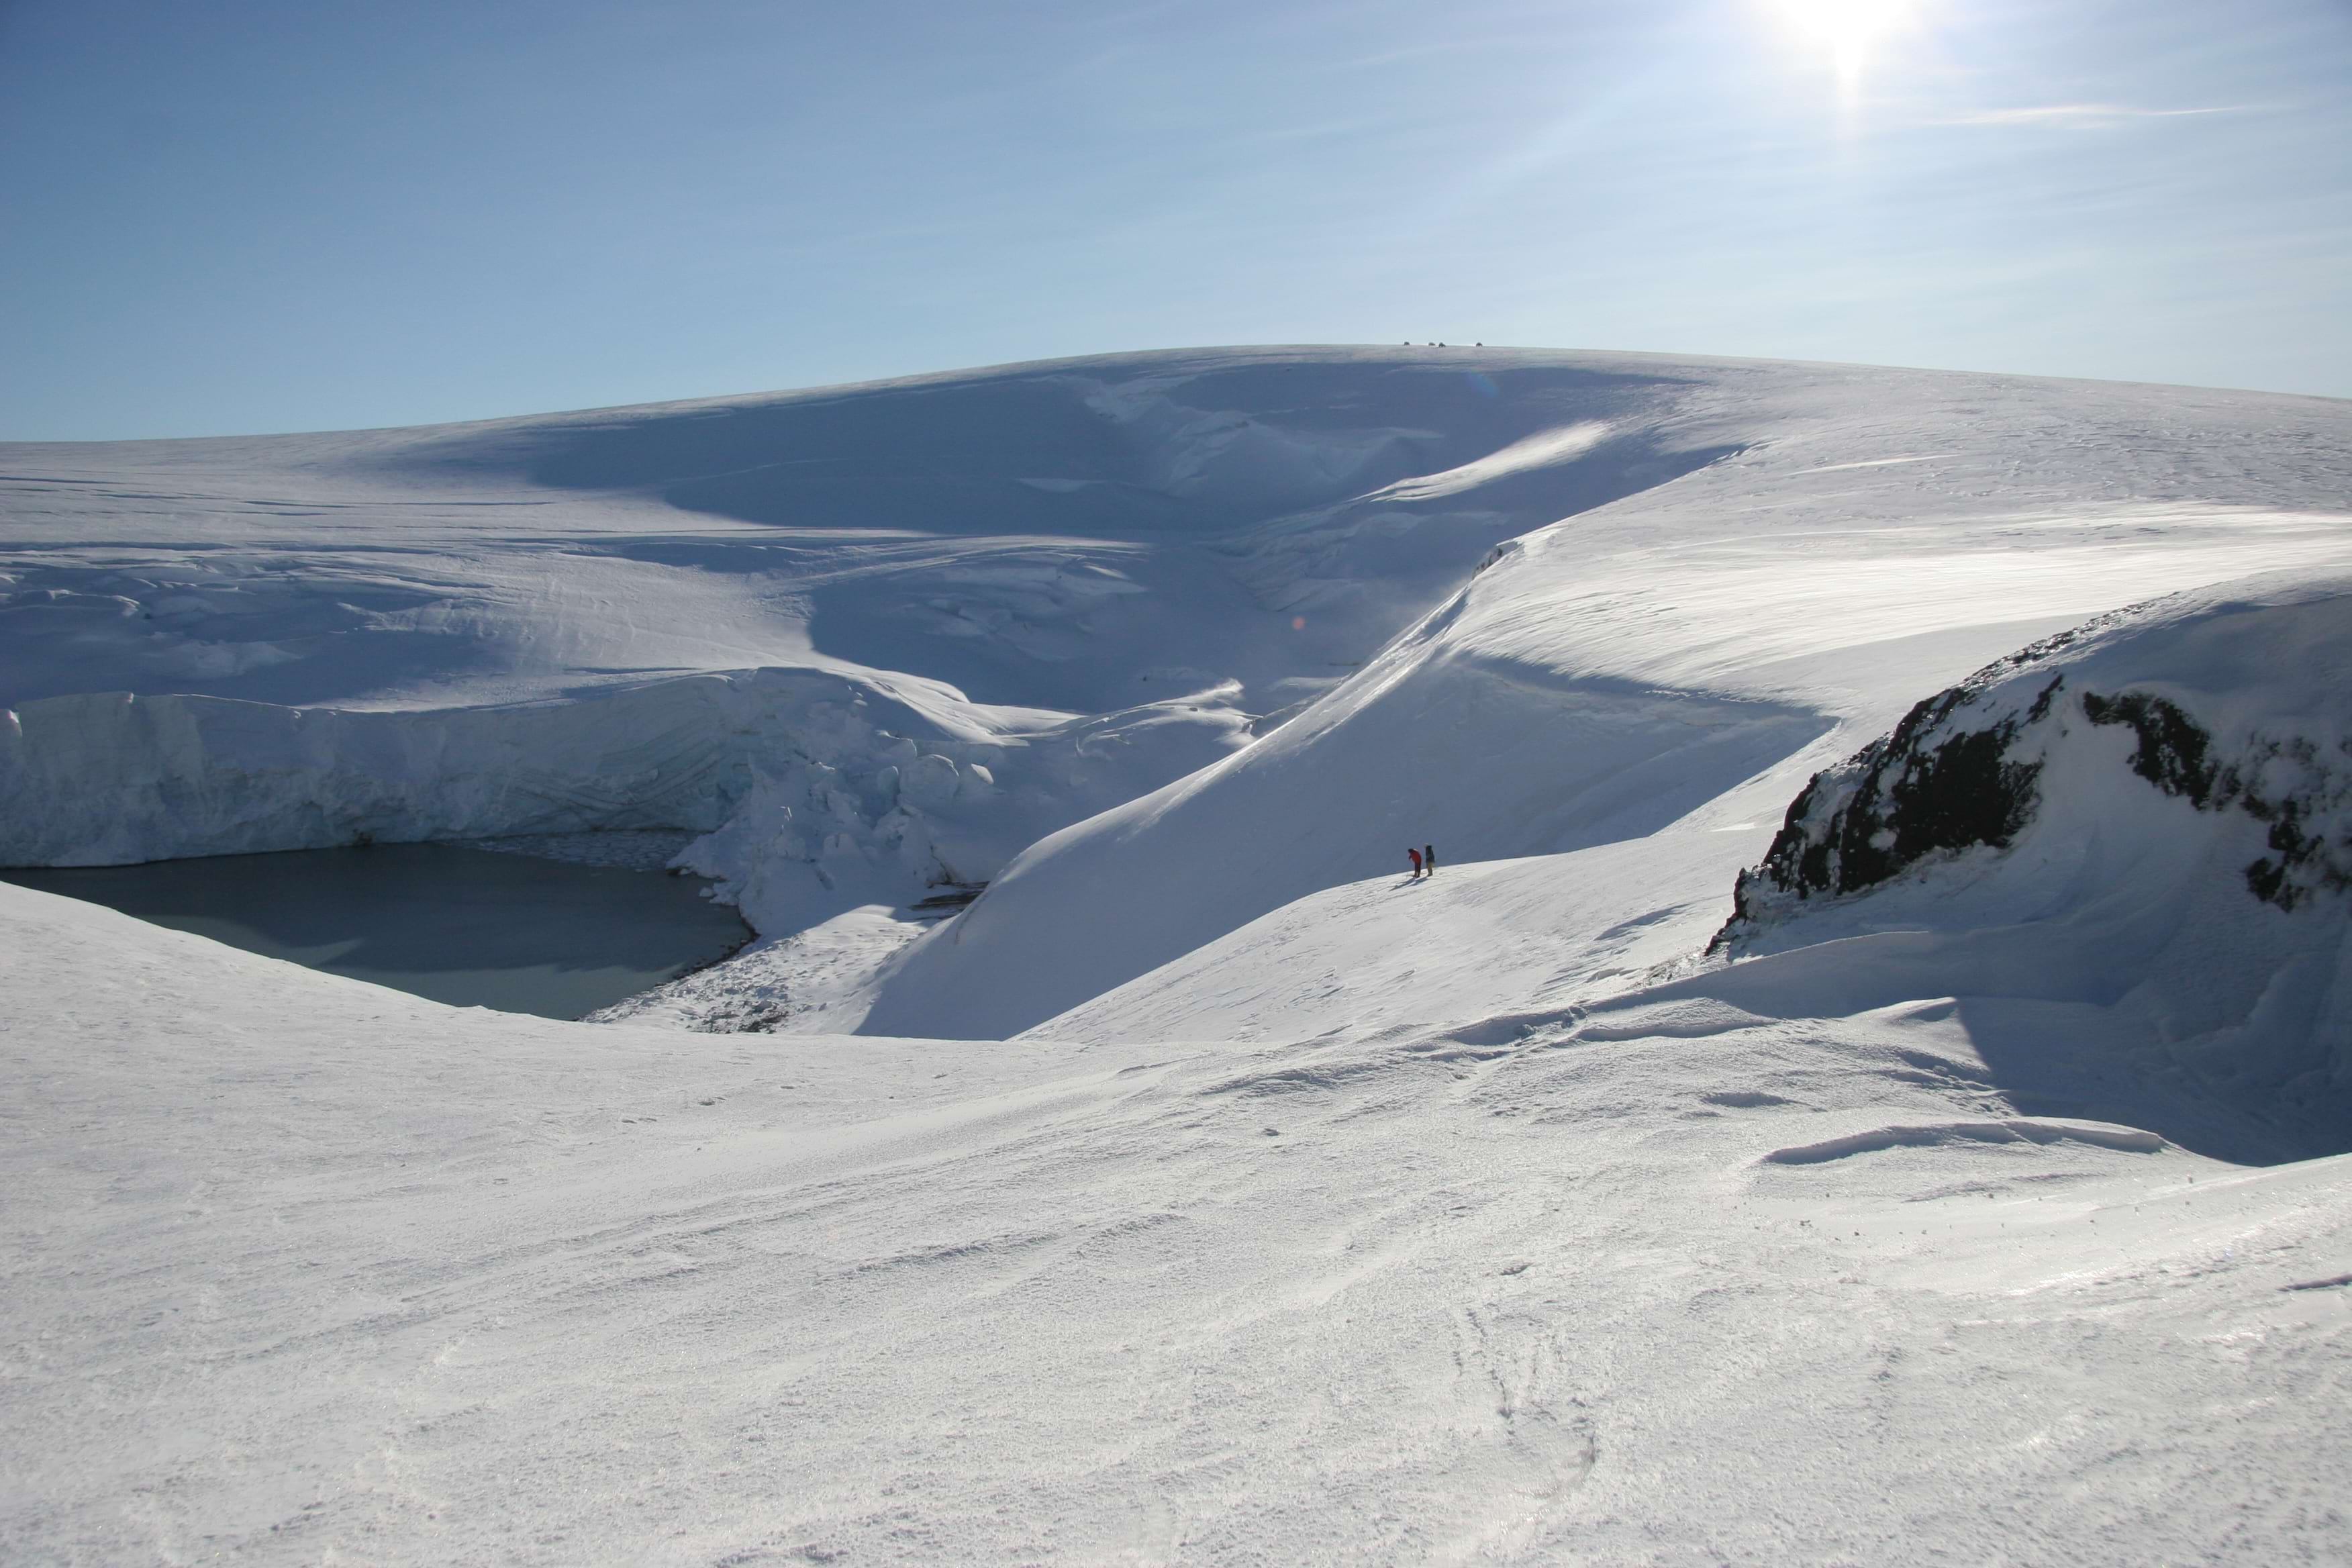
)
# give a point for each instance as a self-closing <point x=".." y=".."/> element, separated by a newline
<point x="462" y="926"/>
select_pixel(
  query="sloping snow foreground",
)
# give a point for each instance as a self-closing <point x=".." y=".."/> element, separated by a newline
<point x="303" y="1271"/>
<point x="1319" y="1215"/>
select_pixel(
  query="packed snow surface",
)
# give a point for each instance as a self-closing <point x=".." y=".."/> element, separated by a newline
<point x="1210" y="1190"/>
<point x="301" y="1268"/>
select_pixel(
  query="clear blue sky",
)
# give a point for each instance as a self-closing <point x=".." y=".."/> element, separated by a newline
<point x="279" y="214"/>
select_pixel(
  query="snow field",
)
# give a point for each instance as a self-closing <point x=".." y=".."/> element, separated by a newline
<point x="1306" y="1214"/>
<point x="347" y="1272"/>
<point x="1203" y="541"/>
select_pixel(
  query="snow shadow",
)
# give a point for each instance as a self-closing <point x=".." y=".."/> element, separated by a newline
<point x="256" y="628"/>
<point x="1206" y="441"/>
<point x="2057" y="1036"/>
<point x="1083" y="541"/>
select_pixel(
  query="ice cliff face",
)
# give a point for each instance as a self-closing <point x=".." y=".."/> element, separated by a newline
<point x="826" y="791"/>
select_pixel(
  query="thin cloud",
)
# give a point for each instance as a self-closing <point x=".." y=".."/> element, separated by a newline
<point x="2080" y="116"/>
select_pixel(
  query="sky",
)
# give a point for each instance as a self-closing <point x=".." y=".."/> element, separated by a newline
<point x="262" y="215"/>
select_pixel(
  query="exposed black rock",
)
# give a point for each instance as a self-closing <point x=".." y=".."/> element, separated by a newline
<point x="1963" y="771"/>
<point x="2278" y="782"/>
<point x="2174" y="754"/>
<point x="2304" y="858"/>
<point x="1936" y="785"/>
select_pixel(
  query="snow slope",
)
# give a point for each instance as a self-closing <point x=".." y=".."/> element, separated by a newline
<point x="1088" y="577"/>
<point x="1982" y="1196"/>
<point x="2124" y="850"/>
<point x="1879" y="535"/>
<point x="300" y="1269"/>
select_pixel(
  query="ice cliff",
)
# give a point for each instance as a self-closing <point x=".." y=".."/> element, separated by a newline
<point x="825" y="791"/>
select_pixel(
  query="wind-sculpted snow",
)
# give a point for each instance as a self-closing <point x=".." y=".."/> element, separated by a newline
<point x="1486" y="759"/>
<point x="1938" y="1136"/>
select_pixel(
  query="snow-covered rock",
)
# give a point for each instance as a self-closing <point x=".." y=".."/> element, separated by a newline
<point x="2150" y="814"/>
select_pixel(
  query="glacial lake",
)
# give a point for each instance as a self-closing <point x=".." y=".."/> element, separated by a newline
<point x="469" y="927"/>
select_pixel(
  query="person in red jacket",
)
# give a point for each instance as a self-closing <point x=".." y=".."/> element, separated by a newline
<point x="1415" y="856"/>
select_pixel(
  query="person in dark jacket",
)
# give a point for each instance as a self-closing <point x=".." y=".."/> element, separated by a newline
<point x="1429" y="858"/>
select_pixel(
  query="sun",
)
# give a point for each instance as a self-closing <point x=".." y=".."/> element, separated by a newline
<point x="1847" y="27"/>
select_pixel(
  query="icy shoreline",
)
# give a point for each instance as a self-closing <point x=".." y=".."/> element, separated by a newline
<point x="805" y="793"/>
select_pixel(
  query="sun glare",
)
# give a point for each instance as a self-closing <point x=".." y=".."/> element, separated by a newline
<point x="1847" y="27"/>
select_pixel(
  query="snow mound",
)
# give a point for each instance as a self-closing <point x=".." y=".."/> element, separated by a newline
<point x="2150" y="814"/>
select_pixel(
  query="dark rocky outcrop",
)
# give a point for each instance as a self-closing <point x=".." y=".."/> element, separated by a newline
<point x="1945" y="780"/>
<point x="1964" y="770"/>
<point x="2174" y="754"/>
